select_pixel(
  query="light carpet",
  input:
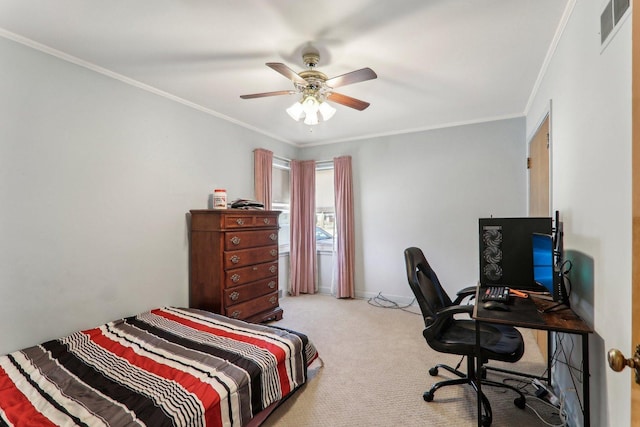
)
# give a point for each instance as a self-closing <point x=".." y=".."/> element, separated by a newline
<point x="375" y="369"/>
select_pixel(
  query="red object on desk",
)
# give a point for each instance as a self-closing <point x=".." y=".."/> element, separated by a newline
<point x="518" y="294"/>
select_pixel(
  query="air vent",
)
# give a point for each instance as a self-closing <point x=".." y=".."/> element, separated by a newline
<point x="619" y="8"/>
<point x="611" y="16"/>
<point x="606" y="22"/>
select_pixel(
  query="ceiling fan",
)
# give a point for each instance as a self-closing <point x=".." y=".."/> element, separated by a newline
<point x="316" y="89"/>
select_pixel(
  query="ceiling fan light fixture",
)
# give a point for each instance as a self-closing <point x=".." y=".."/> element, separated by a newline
<point x="311" y="119"/>
<point x="310" y="105"/>
<point x="296" y="111"/>
<point x="326" y="110"/>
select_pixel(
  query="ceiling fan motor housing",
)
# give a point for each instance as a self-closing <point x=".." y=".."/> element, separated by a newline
<point x="311" y="58"/>
<point x="315" y="79"/>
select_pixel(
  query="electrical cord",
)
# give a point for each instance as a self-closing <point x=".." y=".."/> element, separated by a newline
<point x="561" y="414"/>
<point x="566" y="262"/>
<point x="381" y="301"/>
<point x="525" y="387"/>
<point x="560" y="347"/>
<point x="567" y="359"/>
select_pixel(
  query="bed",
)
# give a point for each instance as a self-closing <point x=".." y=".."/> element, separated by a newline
<point x="165" y="367"/>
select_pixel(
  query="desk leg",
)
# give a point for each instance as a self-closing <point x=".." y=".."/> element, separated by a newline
<point x="586" y="415"/>
<point x="550" y="351"/>
<point x="478" y="373"/>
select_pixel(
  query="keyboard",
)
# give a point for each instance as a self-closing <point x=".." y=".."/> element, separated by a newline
<point x="496" y="293"/>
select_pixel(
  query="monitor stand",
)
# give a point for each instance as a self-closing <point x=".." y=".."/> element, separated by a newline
<point x="557" y="307"/>
<point x="559" y="294"/>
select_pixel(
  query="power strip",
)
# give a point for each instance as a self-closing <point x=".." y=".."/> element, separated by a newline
<point x="543" y="392"/>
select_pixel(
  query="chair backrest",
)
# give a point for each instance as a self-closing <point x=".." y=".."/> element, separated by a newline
<point x="425" y="284"/>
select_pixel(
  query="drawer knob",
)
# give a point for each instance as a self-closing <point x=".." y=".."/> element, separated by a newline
<point x="273" y="236"/>
<point x="234" y="295"/>
<point x="273" y="268"/>
<point x="235" y="240"/>
<point x="272" y="284"/>
<point x="235" y="314"/>
<point x="273" y="299"/>
<point x="235" y="278"/>
<point x="240" y="221"/>
<point x="273" y="252"/>
<point x="266" y="220"/>
<point x="235" y="259"/>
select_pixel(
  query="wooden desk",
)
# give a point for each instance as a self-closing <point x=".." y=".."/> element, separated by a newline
<point x="528" y="313"/>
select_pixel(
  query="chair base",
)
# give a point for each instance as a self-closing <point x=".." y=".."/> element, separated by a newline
<point x="487" y="416"/>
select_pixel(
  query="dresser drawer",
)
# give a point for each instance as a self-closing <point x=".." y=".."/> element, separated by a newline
<point x="240" y="276"/>
<point x="255" y="219"/>
<point x="243" y="293"/>
<point x="266" y="220"/>
<point x="235" y="259"/>
<point x="249" y="239"/>
<point x="256" y="305"/>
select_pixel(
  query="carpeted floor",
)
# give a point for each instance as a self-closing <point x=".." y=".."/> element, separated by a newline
<point x="375" y="369"/>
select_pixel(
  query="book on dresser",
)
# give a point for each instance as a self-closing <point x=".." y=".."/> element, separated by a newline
<point x="233" y="261"/>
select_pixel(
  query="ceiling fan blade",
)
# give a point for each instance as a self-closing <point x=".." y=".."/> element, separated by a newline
<point x="347" y="101"/>
<point x="287" y="72"/>
<point x="262" y="95"/>
<point x="352" y="77"/>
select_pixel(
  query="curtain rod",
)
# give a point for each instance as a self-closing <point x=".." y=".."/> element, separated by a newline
<point x="289" y="160"/>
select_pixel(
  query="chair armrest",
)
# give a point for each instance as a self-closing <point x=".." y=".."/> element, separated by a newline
<point x="447" y="313"/>
<point x="443" y="317"/>
<point x="463" y="293"/>
<point x="455" y="309"/>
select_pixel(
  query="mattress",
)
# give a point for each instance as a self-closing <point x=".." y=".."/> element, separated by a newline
<point x="164" y="367"/>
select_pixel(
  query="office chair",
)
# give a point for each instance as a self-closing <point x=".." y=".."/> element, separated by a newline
<point x="448" y="334"/>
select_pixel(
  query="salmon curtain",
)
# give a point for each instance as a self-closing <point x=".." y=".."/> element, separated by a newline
<point x="262" y="172"/>
<point x="343" y="280"/>
<point x="303" y="220"/>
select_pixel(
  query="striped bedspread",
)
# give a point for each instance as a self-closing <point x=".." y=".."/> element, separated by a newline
<point x="169" y="366"/>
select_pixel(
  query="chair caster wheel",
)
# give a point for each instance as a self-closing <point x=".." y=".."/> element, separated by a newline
<point x="486" y="421"/>
<point x="427" y="396"/>
<point x="433" y="371"/>
<point x="520" y="402"/>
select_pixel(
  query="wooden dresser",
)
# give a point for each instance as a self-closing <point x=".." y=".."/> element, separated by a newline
<point x="234" y="263"/>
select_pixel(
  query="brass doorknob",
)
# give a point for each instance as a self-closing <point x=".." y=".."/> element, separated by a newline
<point x="617" y="361"/>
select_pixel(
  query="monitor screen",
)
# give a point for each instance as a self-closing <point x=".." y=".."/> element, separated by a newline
<point x="543" y="269"/>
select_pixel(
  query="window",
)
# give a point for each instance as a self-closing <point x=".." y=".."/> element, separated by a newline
<point x="325" y="209"/>
<point x="280" y="199"/>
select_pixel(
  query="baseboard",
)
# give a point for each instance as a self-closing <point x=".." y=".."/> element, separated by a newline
<point x="400" y="299"/>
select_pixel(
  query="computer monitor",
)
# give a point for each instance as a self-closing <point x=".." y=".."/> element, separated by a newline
<point x="547" y="265"/>
<point x="543" y="265"/>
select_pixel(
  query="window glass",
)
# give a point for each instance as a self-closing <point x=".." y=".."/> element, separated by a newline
<point x="280" y="199"/>
<point x="325" y="210"/>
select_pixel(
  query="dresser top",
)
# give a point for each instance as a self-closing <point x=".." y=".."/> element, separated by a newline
<point x="233" y="212"/>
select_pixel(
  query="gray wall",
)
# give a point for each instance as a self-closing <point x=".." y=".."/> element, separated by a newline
<point x="96" y="180"/>
<point x="428" y="189"/>
<point x="589" y="90"/>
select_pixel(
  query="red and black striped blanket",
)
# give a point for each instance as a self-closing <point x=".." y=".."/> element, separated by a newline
<point x="169" y="366"/>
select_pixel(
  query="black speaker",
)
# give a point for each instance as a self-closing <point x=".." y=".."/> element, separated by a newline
<point x="506" y="257"/>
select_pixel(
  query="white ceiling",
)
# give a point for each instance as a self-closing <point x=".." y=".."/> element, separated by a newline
<point x="439" y="62"/>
